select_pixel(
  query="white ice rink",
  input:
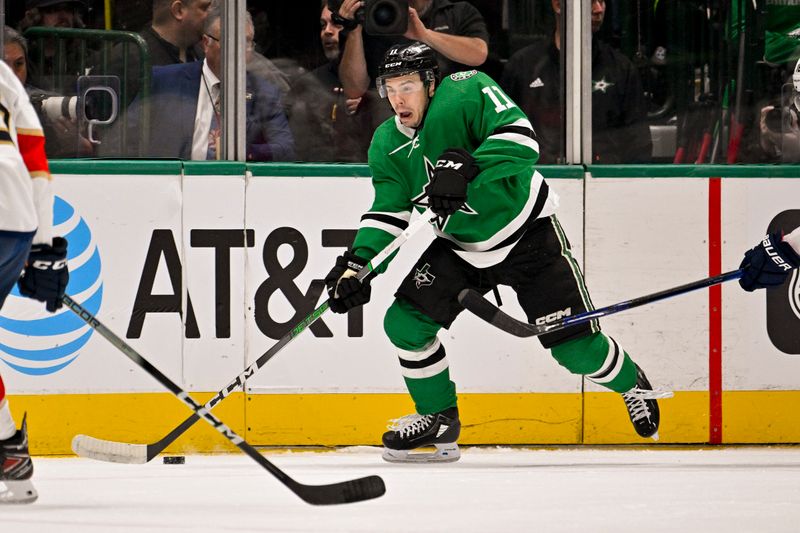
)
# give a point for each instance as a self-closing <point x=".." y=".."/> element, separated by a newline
<point x="489" y="490"/>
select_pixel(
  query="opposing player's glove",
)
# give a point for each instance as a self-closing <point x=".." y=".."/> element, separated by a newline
<point x="447" y="191"/>
<point x="344" y="290"/>
<point x="768" y="263"/>
<point x="46" y="274"/>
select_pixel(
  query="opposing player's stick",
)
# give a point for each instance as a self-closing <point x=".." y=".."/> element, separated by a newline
<point x="487" y="311"/>
<point x="354" y="490"/>
<point x="124" y="452"/>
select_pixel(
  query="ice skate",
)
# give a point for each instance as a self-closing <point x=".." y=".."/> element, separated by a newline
<point x="16" y="468"/>
<point x="643" y="407"/>
<point x="412" y="432"/>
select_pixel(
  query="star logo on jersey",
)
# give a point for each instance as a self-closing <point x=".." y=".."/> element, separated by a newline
<point x="421" y="199"/>
<point x="423" y="277"/>
<point x="601" y="85"/>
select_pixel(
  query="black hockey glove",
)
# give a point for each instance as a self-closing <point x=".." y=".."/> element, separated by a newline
<point x="447" y="191"/>
<point x="46" y="274"/>
<point x="344" y="290"/>
<point x="768" y="264"/>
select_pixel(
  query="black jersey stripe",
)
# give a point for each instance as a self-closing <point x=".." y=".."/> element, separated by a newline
<point x="611" y="365"/>
<point x="386" y="219"/>
<point x="519" y="130"/>
<point x="431" y="360"/>
<point x="538" y="206"/>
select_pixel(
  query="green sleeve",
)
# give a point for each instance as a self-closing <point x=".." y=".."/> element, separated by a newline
<point x="505" y="135"/>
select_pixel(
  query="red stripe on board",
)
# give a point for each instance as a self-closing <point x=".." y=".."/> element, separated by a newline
<point x="715" y="311"/>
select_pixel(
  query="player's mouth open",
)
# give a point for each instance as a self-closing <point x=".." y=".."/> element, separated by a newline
<point x="404" y="114"/>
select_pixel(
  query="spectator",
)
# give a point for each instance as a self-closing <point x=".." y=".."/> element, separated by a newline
<point x="778" y="125"/>
<point x="43" y="72"/>
<point x="324" y="122"/>
<point x="186" y="103"/>
<point x="62" y="134"/>
<point x="259" y="65"/>
<point x="173" y="37"/>
<point x="532" y="78"/>
<point x="458" y="35"/>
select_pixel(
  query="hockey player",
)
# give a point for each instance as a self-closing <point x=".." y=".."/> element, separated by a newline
<point x="462" y="147"/>
<point x="769" y="262"/>
<point x="26" y="242"/>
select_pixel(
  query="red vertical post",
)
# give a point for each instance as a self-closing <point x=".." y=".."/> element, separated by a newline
<point x="715" y="311"/>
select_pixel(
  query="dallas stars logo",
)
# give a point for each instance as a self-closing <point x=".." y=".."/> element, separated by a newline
<point x="422" y="198"/>
<point x="423" y="277"/>
<point x="601" y="85"/>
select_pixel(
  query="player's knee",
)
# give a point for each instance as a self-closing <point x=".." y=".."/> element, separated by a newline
<point x="407" y="328"/>
<point x="582" y="356"/>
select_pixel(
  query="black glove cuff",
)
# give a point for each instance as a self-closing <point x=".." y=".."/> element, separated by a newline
<point x="786" y="251"/>
<point x="469" y="167"/>
<point x="353" y="261"/>
<point x="59" y="247"/>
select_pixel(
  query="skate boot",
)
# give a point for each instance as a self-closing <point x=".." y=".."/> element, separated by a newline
<point x="643" y="407"/>
<point x="410" y="432"/>
<point x="16" y="468"/>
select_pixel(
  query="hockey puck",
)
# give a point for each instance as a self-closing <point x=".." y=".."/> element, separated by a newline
<point x="174" y="459"/>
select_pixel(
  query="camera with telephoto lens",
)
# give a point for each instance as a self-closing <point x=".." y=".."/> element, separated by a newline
<point x="53" y="107"/>
<point x="379" y="17"/>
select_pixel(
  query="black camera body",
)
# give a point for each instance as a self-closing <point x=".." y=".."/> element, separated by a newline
<point x="378" y="17"/>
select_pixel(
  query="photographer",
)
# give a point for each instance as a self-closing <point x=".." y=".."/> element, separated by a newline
<point x="778" y="124"/>
<point x="62" y="135"/>
<point x="455" y="30"/>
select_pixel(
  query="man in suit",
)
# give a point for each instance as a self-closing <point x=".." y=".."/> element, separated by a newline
<point x="185" y="103"/>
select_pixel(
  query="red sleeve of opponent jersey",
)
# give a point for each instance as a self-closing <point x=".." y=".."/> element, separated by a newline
<point x="31" y="147"/>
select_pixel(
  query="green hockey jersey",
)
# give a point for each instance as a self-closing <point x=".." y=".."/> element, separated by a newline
<point x="469" y="111"/>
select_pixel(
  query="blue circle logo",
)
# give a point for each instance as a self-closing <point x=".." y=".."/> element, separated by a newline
<point x="35" y="342"/>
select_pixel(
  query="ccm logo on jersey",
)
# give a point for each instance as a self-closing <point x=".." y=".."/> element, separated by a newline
<point x="446" y="163"/>
<point x="777" y="259"/>
<point x="552" y="317"/>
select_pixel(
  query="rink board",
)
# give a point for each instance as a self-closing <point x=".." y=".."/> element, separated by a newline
<point x="250" y="244"/>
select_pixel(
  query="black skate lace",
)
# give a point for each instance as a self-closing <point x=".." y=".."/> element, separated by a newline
<point x="410" y="424"/>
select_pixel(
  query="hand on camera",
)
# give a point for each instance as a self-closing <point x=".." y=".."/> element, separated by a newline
<point x="346" y="14"/>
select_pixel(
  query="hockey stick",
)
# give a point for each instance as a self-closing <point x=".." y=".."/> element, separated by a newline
<point x="124" y="452"/>
<point x="480" y="306"/>
<point x="354" y="490"/>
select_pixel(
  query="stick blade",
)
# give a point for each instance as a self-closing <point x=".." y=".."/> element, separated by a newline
<point x="109" y="450"/>
<point x="485" y="310"/>
<point x="355" y="490"/>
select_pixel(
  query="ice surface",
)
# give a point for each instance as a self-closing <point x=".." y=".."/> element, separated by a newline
<point x="489" y="490"/>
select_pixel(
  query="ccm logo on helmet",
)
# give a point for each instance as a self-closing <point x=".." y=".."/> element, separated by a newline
<point x="777" y="259"/>
<point x="552" y="317"/>
<point x="390" y="65"/>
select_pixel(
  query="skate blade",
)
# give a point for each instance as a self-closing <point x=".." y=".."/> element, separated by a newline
<point x="445" y="453"/>
<point x="21" y="491"/>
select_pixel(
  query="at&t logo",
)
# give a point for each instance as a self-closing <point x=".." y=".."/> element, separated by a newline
<point x="35" y="342"/>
